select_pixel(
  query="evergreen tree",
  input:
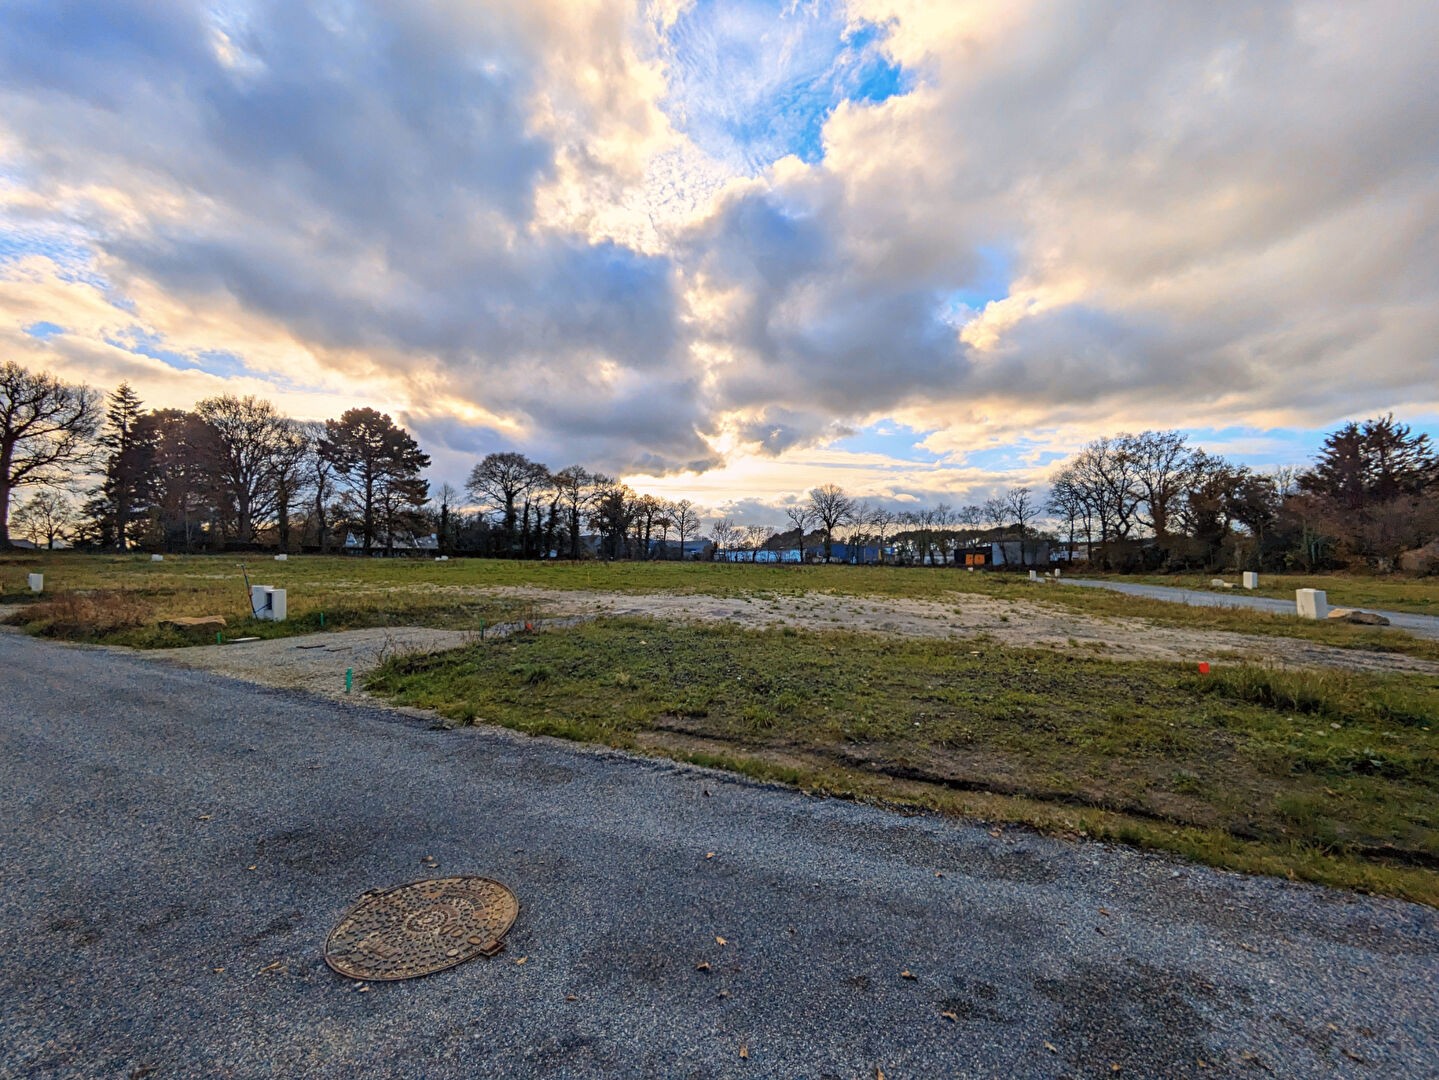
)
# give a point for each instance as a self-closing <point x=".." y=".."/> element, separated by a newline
<point x="126" y="491"/>
<point x="380" y="463"/>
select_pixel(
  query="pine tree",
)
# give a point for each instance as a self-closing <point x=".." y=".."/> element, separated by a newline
<point x="380" y="463"/>
<point x="125" y="493"/>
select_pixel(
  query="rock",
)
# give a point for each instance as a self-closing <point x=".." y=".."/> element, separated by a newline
<point x="1360" y="618"/>
<point x="1424" y="560"/>
<point x="202" y="623"/>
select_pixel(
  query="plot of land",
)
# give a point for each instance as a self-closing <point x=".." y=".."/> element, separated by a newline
<point x="1308" y="752"/>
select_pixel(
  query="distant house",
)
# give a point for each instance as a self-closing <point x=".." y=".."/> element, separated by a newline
<point x="854" y="554"/>
<point x="1003" y="553"/>
<point x="670" y="549"/>
<point x="408" y="543"/>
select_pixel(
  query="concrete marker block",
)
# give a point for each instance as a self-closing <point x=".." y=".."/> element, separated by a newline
<point x="1311" y="603"/>
<point x="1251" y="579"/>
<point x="282" y="558"/>
<point x="157" y="558"/>
<point x="37" y="582"/>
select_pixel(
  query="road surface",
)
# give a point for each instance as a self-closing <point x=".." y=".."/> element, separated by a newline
<point x="175" y="847"/>
<point x="1419" y="625"/>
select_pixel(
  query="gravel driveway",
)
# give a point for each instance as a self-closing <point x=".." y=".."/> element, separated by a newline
<point x="175" y="845"/>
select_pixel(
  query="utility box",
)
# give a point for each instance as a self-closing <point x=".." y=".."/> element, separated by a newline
<point x="157" y="558"/>
<point x="1312" y="603"/>
<point x="37" y="582"/>
<point x="1251" y="579"/>
<point x="268" y="603"/>
<point x="282" y="558"/>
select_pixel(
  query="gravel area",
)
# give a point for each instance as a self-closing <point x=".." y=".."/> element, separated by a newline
<point x="174" y="846"/>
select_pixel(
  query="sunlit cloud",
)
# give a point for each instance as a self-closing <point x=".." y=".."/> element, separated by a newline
<point x="730" y="250"/>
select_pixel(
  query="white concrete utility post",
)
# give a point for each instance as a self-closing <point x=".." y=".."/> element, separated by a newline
<point x="1312" y="603"/>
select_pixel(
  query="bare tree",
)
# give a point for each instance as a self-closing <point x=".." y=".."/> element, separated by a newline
<point x="575" y="487"/>
<point x="1163" y="467"/>
<point x="686" y="521"/>
<point x="756" y="536"/>
<point x="724" y="535"/>
<point x="46" y="432"/>
<point x="45" y="517"/>
<point x="447" y="496"/>
<point x="247" y="439"/>
<point x="319" y="480"/>
<point x="832" y="508"/>
<point x="1019" y="504"/>
<point x="801" y="518"/>
<point x="500" y="481"/>
<point x="881" y="521"/>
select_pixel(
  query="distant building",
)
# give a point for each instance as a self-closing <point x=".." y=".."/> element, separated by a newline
<point x="407" y="543"/>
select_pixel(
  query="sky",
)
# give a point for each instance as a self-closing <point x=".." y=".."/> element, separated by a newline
<point x="733" y="250"/>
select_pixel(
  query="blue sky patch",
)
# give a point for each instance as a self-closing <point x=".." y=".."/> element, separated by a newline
<point x="751" y="81"/>
<point x="891" y="439"/>
<point x="44" y="330"/>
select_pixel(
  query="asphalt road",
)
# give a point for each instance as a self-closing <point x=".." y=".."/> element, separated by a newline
<point x="175" y="847"/>
<point x="1419" y="625"/>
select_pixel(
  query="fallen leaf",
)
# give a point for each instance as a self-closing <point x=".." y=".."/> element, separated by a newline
<point x="721" y="941"/>
<point x="743" y="1051"/>
<point x="952" y="1017"/>
<point x="1051" y="1048"/>
<point x="1352" y="1056"/>
<point x="703" y="965"/>
<point x="521" y="959"/>
<point x="252" y="868"/>
<point x="878" y="1073"/>
<point x="205" y="817"/>
<point x="278" y="965"/>
<point x="938" y="874"/>
<point x="571" y="997"/>
<point x="907" y="974"/>
<point x="1104" y="911"/>
<point x="709" y="854"/>
<point x="995" y="832"/>
<point x="1114" y="1066"/>
<point x="218" y="970"/>
<point x="1248" y="948"/>
<point x="724" y="993"/>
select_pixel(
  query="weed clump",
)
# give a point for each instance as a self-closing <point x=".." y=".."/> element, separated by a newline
<point x="82" y="616"/>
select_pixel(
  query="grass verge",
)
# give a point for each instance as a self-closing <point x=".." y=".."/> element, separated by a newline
<point x="1332" y="779"/>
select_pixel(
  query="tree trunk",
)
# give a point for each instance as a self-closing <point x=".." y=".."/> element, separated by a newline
<point x="4" y="513"/>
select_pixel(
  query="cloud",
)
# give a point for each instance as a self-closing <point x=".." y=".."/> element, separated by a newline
<point x="686" y="238"/>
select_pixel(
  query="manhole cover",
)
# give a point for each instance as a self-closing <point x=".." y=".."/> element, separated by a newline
<point x="422" y="927"/>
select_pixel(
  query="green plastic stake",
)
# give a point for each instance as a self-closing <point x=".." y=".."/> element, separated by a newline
<point x="322" y="620"/>
<point x="219" y="638"/>
<point x="349" y="679"/>
<point x="482" y="629"/>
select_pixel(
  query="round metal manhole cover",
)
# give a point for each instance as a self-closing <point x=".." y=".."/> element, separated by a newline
<point x="420" y="928"/>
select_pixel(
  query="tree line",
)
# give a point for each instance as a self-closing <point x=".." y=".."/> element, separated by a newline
<point x="234" y="473"/>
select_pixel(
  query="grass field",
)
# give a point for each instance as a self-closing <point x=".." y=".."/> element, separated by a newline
<point x="1325" y="776"/>
<point x="355" y="592"/>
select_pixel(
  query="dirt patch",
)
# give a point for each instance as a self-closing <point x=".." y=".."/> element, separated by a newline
<point x="314" y="662"/>
<point x="1017" y="623"/>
